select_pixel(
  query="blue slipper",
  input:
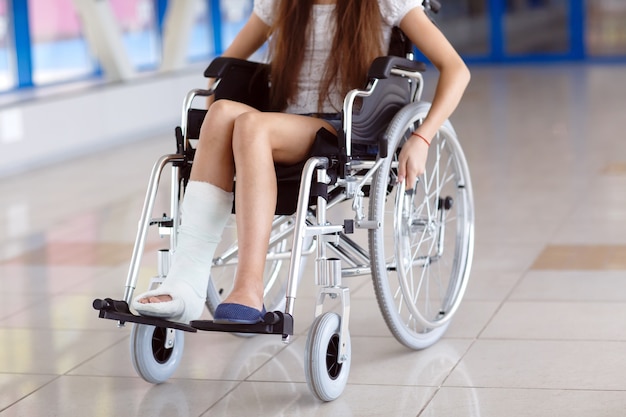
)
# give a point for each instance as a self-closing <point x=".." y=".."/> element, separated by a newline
<point x="231" y="313"/>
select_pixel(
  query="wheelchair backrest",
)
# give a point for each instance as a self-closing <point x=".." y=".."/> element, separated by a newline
<point x="375" y="106"/>
<point x="372" y="113"/>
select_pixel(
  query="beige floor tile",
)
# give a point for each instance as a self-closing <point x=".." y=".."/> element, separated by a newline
<point x="558" y="320"/>
<point x="41" y="351"/>
<point x="487" y="285"/>
<point x="512" y="230"/>
<point x="112" y="362"/>
<point x="593" y="286"/>
<point x="366" y="319"/>
<point x="471" y="319"/>
<point x="375" y="361"/>
<point x="210" y="356"/>
<point x="44" y="279"/>
<point x="598" y="217"/>
<point x="15" y="387"/>
<point x="615" y="168"/>
<point x="80" y="254"/>
<point x="495" y="258"/>
<point x="74" y="396"/>
<point x="383" y="361"/>
<point x="59" y="312"/>
<point x="226" y="356"/>
<point x="51" y="187"/>
<point x="11" y="304"/>
<point x="496" y="402"/>
<point x="111" y="282"/>
<point x="582" y="257"/>
<point x="546" y="364"/>
<point x="294" y="399"/>
<point x="593" y="232"/>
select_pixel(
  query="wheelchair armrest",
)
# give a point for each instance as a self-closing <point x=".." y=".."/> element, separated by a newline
<point x="220" y="66"/>
<point x="241" y="80"/>
<point x="382" y="66"/>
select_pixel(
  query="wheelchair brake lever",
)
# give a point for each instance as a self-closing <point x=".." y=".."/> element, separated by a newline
<point x="432" y="5"/>
<point x="180" y="140"/>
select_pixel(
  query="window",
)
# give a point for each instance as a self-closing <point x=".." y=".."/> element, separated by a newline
<point x="137" y="21"/>
<point x="537" y="27"/>
<point x="606" y="30"/>
<point x="201" y="43"/>
<point x="56" y="32"/>
<point x="466" y="24"/>
<point x="235" y="13"/>
<point x="204" y="42"/>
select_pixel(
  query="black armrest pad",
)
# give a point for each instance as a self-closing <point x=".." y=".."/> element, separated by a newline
<point x="220" y="66"/>
<point x="241" y="80"/>
<point x="382" y="66"/>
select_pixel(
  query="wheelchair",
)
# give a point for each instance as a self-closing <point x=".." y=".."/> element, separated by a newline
<point x="419" y="242"/>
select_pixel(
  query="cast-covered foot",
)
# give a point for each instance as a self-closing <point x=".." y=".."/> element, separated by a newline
<point x="183" y="304"/>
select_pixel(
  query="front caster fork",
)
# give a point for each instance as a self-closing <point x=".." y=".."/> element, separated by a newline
<point x="328" y="277"/>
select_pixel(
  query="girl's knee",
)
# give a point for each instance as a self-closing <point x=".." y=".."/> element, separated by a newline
<point x="247" y="122"/>
<point x="221" y="117"/>
<point x="222" y="111"/>
<point x="249" y="132"/>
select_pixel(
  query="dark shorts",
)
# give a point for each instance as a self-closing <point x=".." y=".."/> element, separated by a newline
<point x="334" y="119"/>
<point x="326" y="144"/>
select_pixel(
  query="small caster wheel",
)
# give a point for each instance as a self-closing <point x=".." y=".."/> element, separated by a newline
<point x="325" y="375"/>
<point x="152" y="359"/>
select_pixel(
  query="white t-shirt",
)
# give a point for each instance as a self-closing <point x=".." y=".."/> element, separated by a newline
<point x="317" y="49"/>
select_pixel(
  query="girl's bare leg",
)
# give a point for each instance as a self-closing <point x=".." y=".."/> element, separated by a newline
<point x="259" y="140"/>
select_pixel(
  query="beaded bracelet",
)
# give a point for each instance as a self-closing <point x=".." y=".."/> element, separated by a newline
<point x="421" y="137"/>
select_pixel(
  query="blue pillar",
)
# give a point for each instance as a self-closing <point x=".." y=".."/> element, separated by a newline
<point x="577" y="29"/>
<point x="496" y="26"/>
<point x="160" y="7"/>
<point x="21" y="36"/>
<point x="216" y="20"/>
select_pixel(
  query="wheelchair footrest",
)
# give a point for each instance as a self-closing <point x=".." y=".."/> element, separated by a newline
<point x="119" y="310"/>
<point x="275" y="322"/>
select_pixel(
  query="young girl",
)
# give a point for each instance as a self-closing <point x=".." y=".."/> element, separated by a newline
<point x="320" y="49"/>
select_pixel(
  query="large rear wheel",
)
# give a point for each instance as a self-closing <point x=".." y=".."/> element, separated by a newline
<point x="422" y="253"/>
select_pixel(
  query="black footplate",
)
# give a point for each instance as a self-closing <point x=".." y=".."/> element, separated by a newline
<point x="274" y="322"/>
<point x="119" y="310"/>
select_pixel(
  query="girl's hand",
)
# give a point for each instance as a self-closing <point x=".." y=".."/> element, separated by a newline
<point x="412" y="160"/>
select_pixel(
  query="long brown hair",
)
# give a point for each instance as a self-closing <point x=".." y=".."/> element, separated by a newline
<point x="357" y="42"/>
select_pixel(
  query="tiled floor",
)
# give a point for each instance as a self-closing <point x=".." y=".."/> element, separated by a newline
<point x="541" y="331"/>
